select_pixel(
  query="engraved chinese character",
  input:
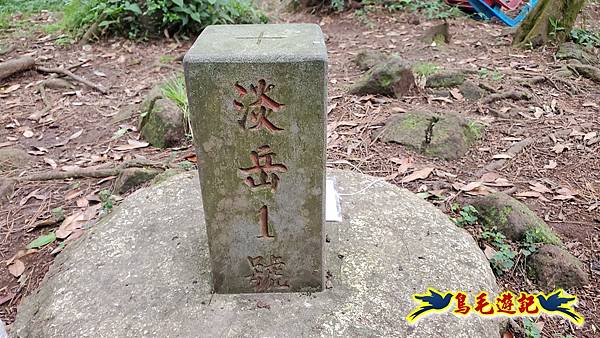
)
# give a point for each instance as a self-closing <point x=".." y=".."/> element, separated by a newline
<point x="265" y="275"/>
<point x="257" y="106"/>
<point x="264" y="223"/>
<point x="263" y="173"/>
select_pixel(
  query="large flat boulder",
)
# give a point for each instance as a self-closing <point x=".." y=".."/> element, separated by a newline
<point x="143" y="271"/>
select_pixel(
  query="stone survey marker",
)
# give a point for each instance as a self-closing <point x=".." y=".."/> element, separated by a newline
<point x="257" y="96"/>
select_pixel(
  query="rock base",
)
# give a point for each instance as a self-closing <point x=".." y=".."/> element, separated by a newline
<point x="143" y="272"/>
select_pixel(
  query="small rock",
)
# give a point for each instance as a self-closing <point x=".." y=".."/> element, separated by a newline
<point x="471" y="91"/>
<point x="440" y="34"/>
<point x="7" y="188"/>
<point x="57" y="84"/>
<point x="391" y="78"/>
<point x="445" y="79"/>
<point x="513" y="218"/>
<point x="134" y="177"/>
<point x="554" y="267"/>
<point x="407" y="129"/>
<point x="444" y="136"/>
<point x="163" y="125"/>
<point x="367" y="59"/>
<point x="13" y="158"/>
<point x="573" y="51"/>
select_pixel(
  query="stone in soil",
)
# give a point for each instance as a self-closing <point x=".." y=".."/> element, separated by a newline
<point x="444" y="135"/>
<point x="573" y="51"/>
<point x="13" y="158"/>
<point x="554" y="267"/>
<point x="162" y="125"/>
<point x="367" y="59"/>
<point x="445" y="79"/>
<point x="144" y="270"/>
<point x="513" y="218"/>
<point x="471" y="91"/>
<point x="392" y="78"/>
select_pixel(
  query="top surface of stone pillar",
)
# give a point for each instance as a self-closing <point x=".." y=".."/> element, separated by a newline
<point x="257" y="96"/>
<point x="258" y="43"/>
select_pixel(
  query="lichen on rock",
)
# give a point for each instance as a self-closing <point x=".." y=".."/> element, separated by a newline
<point x="162" y="124"/>
<point x="513" y="218"/>
<point x="554" y="267"/>
<point x="391" y="78"/>
<point x="446" y="79"/>
<point x="444" y="135"/>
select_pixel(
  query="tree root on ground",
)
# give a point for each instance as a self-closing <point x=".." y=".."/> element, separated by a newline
<point x="16" y="65"/>
<point x="513" y="95"/>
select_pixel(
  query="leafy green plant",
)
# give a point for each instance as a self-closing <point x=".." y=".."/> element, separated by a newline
<point x="25" y="8"/>
<point x="585" y="38"/>
<point x="467" y="215"/>
<point x="531" y="330"/>
<point x="106" y="200"/>
<point x="556" y="27"/>
<point x="494" y="75"/>
<point x="425" y="68"/>
<point x="531" y="242"/>
<point x="433" y="9"/>
<point x="140" y="19"/>
<point x="174" y="90"/>
<point x="42" y="241"/>
<point x="503" y="259"/>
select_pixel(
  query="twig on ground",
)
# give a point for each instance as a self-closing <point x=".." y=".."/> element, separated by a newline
<point x="513" y="95"/>
<point x="77" y="78"/>
<point x="88" y="172"/>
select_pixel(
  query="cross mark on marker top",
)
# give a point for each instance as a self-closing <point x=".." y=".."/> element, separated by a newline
<point x="260" y="37"/>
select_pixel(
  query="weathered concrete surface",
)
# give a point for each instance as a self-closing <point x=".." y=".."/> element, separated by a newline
<point x="143" y="272"/>
<point x="257" y="97"/>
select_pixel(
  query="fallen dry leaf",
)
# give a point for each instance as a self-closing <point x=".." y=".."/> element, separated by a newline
<point x="82" y="202"/>
<point x="10" y="89"/>
<point x="50" y="162"/>
<point x="589" y="135"/>
<point x="20" y="254"/>
<point x="131" y="144"/>
<point x="551" y="165"/>
<point x="76" y="135"/>
<point x="418" y="175"/>
<point x="502" y="156"/>
<point x="529" y="194"/>
<point x="489" y="177"/>
<point x="33" y="194"/>
<point x="28" y="133"/>
<point x="540" y="188"/>
<point x="559" y="148"/>
<point x="471" y="186"/>
<point x="16" y="268"/>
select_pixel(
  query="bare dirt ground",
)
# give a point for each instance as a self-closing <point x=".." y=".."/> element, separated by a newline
<point x="79" y="128"/>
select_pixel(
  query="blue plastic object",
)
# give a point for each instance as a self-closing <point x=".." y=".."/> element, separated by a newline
<point x="495" y="11"/>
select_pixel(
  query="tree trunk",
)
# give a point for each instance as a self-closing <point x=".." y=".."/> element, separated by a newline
<point x="550" y="20"/>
